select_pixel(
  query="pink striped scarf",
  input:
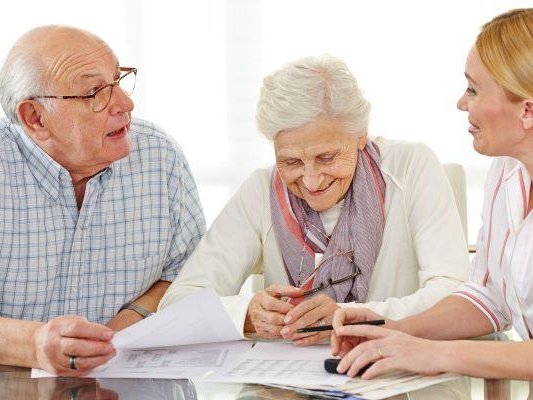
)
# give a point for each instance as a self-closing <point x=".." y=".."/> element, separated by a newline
<point x="358" y="232"/>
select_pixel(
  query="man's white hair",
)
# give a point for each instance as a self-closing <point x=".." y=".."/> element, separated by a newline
<point x="23" y="75"/>
<point x="309" y="88"/>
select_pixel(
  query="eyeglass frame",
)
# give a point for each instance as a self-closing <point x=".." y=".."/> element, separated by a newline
<point x="330" y="282"/>
<point x="116" y="82"/>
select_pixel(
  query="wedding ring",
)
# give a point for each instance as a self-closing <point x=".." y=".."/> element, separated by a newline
<point x="72" y="362"/>
<point x="321" y="322"/>
<point x="380" y="353"/>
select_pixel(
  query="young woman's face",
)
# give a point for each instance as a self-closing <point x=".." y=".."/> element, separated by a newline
<point x="495" y="119"/>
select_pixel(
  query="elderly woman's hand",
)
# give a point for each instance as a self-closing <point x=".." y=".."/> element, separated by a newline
<point x="316" y="311"/>
<point x="267" y="310"/>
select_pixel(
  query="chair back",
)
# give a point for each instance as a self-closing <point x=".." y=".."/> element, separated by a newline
<point x="457" y="179"/>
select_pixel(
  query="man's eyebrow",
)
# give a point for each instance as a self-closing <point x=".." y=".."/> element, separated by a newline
<point x="90" y="75"/>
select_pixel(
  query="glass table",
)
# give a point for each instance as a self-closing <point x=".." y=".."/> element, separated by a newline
<point x="16" y="383"/>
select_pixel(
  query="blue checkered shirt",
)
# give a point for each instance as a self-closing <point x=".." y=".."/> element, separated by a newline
<point x="140" y="220"/>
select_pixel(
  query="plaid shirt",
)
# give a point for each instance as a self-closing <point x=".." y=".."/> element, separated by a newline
<point x="140" y="220"/>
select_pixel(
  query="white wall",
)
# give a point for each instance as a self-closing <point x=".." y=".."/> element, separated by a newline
<point x="201" y="63"/>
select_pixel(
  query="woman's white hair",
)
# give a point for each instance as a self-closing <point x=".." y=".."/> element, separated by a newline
<point x="304" y="90"/>
<point x="21" y="77"/>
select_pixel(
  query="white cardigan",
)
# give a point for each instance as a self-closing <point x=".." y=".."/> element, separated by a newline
<point x="423" y="256"/>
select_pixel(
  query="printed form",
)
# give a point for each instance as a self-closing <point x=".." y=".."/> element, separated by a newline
<point x="189" y="339"/>
<point x="281" y="363"/>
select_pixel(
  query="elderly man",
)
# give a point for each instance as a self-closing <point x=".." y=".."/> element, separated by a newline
<point x="98" y="211"/>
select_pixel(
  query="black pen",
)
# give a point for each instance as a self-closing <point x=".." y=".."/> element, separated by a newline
<point x="330" y="327"/>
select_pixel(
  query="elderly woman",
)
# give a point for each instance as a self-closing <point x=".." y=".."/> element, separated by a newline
<point x="499" y="102"/>
<point x="339" y="220"/>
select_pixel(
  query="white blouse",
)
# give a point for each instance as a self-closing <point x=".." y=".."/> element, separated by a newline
<point x="501" y="285"/>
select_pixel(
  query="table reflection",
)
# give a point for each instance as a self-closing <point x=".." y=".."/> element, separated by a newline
<point x="16" y="383"/>
<point x="150" y="389"/>
<point x="458" y="389"/>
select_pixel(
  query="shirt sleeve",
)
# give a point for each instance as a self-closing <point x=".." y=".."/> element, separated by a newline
<point x="187" y="217"/>
<point x="486" y="299"/>
<point x="481" y="290"/>
<point x="437" y="237"/>
<point x="227" y="254"/>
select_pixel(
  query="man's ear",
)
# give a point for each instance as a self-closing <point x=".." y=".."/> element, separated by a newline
<point x="30" y="113"/>
<point x="527" y="116"/>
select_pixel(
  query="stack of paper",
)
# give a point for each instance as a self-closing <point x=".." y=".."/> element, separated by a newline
<point x="302" y="369"/>
<point x="280" y="363"/>
<point x="190" y="339"/>
<point x="195" y="339"/>
<point x="382" y="387"/>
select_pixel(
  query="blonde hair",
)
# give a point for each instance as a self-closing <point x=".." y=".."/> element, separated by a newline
<point x="309" y="88"/>
<point x="505" y="47"/>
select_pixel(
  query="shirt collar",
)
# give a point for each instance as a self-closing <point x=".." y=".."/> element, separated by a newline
<point x="517" y="186"/>
<point x="50" y="175"/>
<point x="47" y="172"/>
<point x="388" y="176"/>
<point x="513" y="167"/>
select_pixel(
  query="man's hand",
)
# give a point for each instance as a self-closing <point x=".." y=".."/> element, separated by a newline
<point x="54" y="342"/>
<point x="267" y="310"/>
<point x="313" y="312"/>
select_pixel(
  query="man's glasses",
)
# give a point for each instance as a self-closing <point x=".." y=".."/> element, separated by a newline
<point x="102" y="96"/>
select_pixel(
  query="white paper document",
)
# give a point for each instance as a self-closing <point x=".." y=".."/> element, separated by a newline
<point x="182" y="362"/>
<point x="281" y="363"/>
<point x="198" y="318"/>
<point x="381" y="387"/>
<point x="302" y="369"/>
<point x="195" y="338"/>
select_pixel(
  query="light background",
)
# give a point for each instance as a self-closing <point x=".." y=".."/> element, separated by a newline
<point x="201" y="64"/>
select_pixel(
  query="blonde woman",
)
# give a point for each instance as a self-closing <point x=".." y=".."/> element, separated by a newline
<point x="499" y="102"/>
